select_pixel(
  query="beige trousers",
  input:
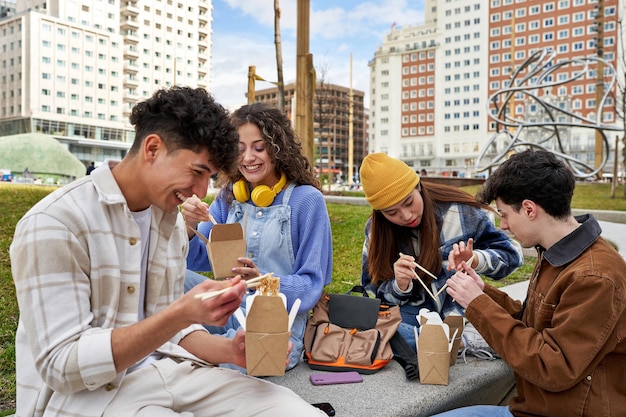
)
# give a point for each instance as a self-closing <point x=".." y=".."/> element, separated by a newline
<point x="169" y="388"/>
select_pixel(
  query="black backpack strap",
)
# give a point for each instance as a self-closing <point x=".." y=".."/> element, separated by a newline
<point x="404" y="354"/>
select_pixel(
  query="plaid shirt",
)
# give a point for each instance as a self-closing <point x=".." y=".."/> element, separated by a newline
<point x="76" y="260"/>
<point x="498" y="256"/>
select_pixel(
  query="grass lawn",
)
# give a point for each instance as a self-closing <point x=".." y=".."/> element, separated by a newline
<point x="347" y="228"/>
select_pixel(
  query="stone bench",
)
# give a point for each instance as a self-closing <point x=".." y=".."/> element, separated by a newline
<point x="388" y="393"/>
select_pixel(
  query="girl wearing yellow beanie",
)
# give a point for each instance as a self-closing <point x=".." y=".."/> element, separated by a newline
<point x="436" y="226"/>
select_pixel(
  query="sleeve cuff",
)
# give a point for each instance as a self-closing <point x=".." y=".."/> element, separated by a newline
<point x="399" y="291"/>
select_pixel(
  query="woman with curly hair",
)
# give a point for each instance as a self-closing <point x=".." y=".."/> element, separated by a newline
<point x="276" y="197"/>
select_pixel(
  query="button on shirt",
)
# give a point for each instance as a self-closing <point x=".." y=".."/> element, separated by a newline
<point x="86" y="232"/>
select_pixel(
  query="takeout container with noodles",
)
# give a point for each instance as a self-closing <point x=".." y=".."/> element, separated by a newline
<point x="437" y="343"/>
<point x="225" y="246"/>
<point x="267" y="326"/>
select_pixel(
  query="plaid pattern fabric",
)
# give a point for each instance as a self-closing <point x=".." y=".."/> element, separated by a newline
<point x="498" y="256"/>
<point x="76" y="266"/>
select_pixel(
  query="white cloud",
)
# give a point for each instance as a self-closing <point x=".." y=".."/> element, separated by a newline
<point x="336" y="30"/>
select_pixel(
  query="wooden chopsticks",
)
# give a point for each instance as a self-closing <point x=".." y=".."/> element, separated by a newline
<point x="469" y="262"/>
<point x="251" y="283"/>
<point x="420" y="279"/>
<point x="433" y="296"/>
<point x="200" y="235"/>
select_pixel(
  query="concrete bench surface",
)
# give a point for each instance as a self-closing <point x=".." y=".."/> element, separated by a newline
<point x="388" y="392"/>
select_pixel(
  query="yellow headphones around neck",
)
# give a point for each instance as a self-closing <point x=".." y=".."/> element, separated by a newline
<point x="262" y="195"/>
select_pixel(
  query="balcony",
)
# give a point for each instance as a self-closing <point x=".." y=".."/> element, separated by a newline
<point x="131" y="96"/>
<point x="130" y="36"/>
<point x="130" y="51"/>
<point x="204" y="29"/>
<point x="131" y="67"/>
<point x="130" y="81"/>
<point x="129" y="24"/>
<point x="129" y="8"/>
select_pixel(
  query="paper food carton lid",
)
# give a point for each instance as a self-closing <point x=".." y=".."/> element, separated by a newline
<point x="267" y="315"/>
<point x="432" y="338"/>
<point x="228" y="231"/>
<point x="455" y="322"/>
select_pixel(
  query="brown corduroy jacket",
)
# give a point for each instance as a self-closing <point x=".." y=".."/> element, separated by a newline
<point x="568" y="351"/>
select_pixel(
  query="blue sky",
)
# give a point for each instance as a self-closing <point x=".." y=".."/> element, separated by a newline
<point x="243" y="35"/>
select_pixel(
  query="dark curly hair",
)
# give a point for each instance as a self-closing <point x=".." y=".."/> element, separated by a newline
<point x="187" y="118"/>
<point x="535" y="175"/>
<point x="283" y="146"/>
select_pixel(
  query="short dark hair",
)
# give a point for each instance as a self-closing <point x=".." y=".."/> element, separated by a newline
<point x="535" y="175"/>
<point x="187" y="118"/>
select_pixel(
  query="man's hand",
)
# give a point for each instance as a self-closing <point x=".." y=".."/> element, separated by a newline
<point x="217" y="310"/>
<point x="465" y="285"/>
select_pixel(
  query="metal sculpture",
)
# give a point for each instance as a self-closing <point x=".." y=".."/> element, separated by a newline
<point x="538" y="74"/>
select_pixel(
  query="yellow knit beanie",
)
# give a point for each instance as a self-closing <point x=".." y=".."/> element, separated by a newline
<point x="386" y="180"/>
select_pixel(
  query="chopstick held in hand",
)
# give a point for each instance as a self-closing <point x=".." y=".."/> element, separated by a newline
<point x="469" y="262"/>
<point x="420" y="280"/>
<point x="251" y="283"/>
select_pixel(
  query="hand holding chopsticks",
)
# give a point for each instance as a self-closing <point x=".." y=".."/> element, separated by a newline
<point x="470" y="261"/>
<point x="251" y="283"/>
<point x="442" y="289"/>
<point x="420" y="280"/>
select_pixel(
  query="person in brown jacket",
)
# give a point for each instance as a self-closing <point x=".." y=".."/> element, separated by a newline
<point x="567" y="342"/>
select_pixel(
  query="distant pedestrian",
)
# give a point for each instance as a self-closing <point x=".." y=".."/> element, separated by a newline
<point x="91" y="167"/>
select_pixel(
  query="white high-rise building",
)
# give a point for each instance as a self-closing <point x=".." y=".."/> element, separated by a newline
<point x="75" y="68"/>
<point x="431" y="83"/>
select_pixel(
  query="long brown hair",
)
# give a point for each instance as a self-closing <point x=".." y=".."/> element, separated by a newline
<point x="386" y="238"/>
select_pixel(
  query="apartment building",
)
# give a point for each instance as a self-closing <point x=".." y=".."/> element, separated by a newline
<point x="331" y="121"/>
<point x="74" y="69"/>
<point x="431" y="83"/>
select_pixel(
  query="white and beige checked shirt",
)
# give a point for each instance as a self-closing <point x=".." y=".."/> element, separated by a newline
<point x="76" y="259"/>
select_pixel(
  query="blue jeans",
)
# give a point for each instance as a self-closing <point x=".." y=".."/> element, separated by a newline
<point x="478" y="411"/>
<point x="409" y="321"/>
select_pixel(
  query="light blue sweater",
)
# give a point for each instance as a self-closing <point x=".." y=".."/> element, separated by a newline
<point x="311" y="239"/>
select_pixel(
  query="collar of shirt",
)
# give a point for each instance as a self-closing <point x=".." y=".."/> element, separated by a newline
<point x="572" y="245"/>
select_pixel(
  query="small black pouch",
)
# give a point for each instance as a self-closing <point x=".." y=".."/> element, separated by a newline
<point x="353" y="312"/>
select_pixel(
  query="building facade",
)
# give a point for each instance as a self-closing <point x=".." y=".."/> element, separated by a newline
<point x="433" y="84"/>
<point x="331" y="127"/>
<point x="74" y="69"/>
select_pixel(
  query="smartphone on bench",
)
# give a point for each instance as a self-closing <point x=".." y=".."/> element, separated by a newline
<point x="325" y="407"/>
<point x="331" y="378"/>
